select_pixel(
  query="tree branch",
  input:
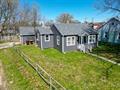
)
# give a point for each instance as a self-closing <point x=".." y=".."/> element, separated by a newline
<point x="115" y="9"/>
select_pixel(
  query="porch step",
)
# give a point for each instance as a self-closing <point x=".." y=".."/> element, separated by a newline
<point x="85" y="48"/>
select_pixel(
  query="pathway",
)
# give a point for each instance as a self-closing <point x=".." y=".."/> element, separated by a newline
<point x="105" y="59"/>
<point x="2" y="78"/>
<point x="9" y="44"/>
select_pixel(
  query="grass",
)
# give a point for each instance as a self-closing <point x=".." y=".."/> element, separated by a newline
<point x="108" y="51"/>
<point x="76" y="70"/>
<point x="19" y="75"/>
<point x="2" y="42"/>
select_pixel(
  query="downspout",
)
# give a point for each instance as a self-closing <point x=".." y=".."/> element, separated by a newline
<point x="63" y="50"/>
<point x="97" y="39"/>
<point x="41" y="42"/>
<point x="21" y="39"/>
<point x="88" y="39"/>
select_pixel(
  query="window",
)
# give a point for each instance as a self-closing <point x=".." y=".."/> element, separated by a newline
<point x="113" y="23"/>
<point x="119" y="36"/>
<point x="58" y="40"/>
<point x="92" y="38"/>
<point x="47" y="38"/>
<point x="106" y="35"/>
<point x="70" y="41"/>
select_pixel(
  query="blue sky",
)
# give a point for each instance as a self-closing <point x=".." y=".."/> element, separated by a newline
<point x="80" y="9"/>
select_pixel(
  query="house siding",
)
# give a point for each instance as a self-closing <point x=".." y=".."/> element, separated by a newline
<point x="70" y="48"/>
<point x="43" y="44"/>
<point x="56" y="33"/>
<point x="112" y="30"/>
<point x="27" y="38"/>
<point x="47" y="44"/>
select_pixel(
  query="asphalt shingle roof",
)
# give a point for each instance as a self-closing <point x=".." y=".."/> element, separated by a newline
<point x="43" y="30"/>
<point x="26" y="31"/>
<point x="74" y="29"/>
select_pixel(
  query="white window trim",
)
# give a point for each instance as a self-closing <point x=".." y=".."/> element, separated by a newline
<point x="70" y="43"/>
<point x="93" y="40"/>
<point x="48" y="38"/>
<point x="58" y="40"/>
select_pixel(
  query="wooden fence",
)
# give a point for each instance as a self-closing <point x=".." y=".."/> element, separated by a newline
<point x="53" y="84"/>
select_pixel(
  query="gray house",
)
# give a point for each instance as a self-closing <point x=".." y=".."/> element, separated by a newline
<point x="110" y="31"/>
<point x="44" y="37"/>
<point x="67" y="37"/>
<point x="27" y="35"/>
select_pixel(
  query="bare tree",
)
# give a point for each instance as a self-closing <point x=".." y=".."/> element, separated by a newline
<point x="29" y="15"/>
<point x="65" y="18"/>
<point x="35" y="15"/>
<point x="108" y="5"/>
<point x="8" y="9"/>
<point x="25" y="15"/>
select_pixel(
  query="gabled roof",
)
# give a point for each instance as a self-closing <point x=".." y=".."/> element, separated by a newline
<point x="26" y="31"/>
<point x="74" y="29"/>
<point x="43" y="30"/>
<point x="115" y="18"/>
<point x="111" y="19"/>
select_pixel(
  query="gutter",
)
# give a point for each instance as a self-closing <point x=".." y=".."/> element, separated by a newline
<point x="41" y="42"/>
<point x="63" y="50"/>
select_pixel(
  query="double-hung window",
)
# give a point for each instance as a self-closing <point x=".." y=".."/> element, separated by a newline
<point x="92" y="38"/>
<point x="47" y="38"/>
<point x="70" y="41"/>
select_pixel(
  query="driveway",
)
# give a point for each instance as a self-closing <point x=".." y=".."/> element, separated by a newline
<point x="9" y="44"/>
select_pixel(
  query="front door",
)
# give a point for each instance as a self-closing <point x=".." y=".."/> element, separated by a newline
<point x="84" y="41"/>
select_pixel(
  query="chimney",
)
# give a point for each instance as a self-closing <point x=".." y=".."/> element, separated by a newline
<point x="42" y="24"/>
<point x="68" y="21"/>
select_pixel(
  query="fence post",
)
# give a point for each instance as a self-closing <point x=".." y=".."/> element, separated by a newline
<point x="50" y="83"/>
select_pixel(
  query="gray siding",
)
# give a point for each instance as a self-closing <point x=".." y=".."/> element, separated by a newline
<point x="39" y="43"/>
<point x="38" y="37"/>
<point x="116" y="38"/>
<point x="48" y="44"/>
<point x="70" y="48"/>
<point x="27" y="38"/>
<point x="56" y="33"/>
<point x="42" y="43"/>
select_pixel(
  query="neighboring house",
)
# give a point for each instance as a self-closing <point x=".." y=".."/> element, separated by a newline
<point x="97" y="25"/>
<point x="11" y="32"/>
<point x="27" y="35"/>
<point x="67" y="37"/>
<point x="110" y="31"/>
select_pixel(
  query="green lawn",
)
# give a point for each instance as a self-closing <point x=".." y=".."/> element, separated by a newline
<point x="76" y="70"/>
<point x="108" y="51"/>
<point x="19" y="75"/>
<point x="2" y="42"/>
